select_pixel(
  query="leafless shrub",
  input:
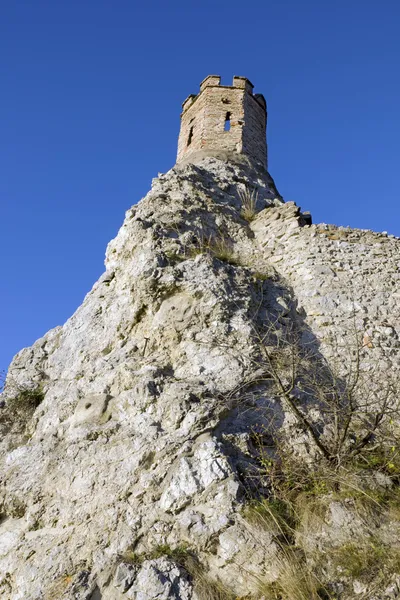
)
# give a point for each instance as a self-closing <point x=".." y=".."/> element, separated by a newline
<point x="348" y="415"/>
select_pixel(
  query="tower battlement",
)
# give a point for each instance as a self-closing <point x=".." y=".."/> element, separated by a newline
<point x="223" y="119"/>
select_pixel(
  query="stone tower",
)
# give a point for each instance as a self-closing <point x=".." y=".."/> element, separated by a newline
<point x="223" y="121"/>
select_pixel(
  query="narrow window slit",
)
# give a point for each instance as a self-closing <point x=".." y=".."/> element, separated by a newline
<point x="227" y="121"/>
<point x="190" y="136"/>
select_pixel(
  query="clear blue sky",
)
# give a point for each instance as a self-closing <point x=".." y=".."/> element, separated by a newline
<point x="89" y="112"/>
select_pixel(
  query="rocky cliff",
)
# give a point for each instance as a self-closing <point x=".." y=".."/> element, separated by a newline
<point x="139" y="449"/>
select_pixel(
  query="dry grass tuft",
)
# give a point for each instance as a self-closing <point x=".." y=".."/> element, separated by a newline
<point x="249" y="203"/>
<point x="217" y="245"/>
<point x="295" y="580"/>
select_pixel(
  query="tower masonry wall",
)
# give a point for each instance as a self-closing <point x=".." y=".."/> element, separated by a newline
<point x="254" y="142"/>
<point x="205" y="116"/>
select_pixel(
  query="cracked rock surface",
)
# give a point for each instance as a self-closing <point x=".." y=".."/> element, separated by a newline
<point x="136" y="444"/>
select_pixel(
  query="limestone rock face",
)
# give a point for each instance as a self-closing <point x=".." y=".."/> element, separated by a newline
<point x="159" y="579"/>
<point x="137" y="445"/>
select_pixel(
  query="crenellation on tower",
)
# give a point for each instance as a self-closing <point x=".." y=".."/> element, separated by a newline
<point x="261" y="100"/>
<point x="224" y="120"/>
<point x="189" y="100"/>
<point x="243" y="83"/>
<point x="209" y="81"/>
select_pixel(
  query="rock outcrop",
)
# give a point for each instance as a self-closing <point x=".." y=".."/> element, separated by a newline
<point x="141" y="448"/>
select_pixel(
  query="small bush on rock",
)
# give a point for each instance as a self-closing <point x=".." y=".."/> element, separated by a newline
<point x="295" y="507"/>
<point x="17" y="410"/>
